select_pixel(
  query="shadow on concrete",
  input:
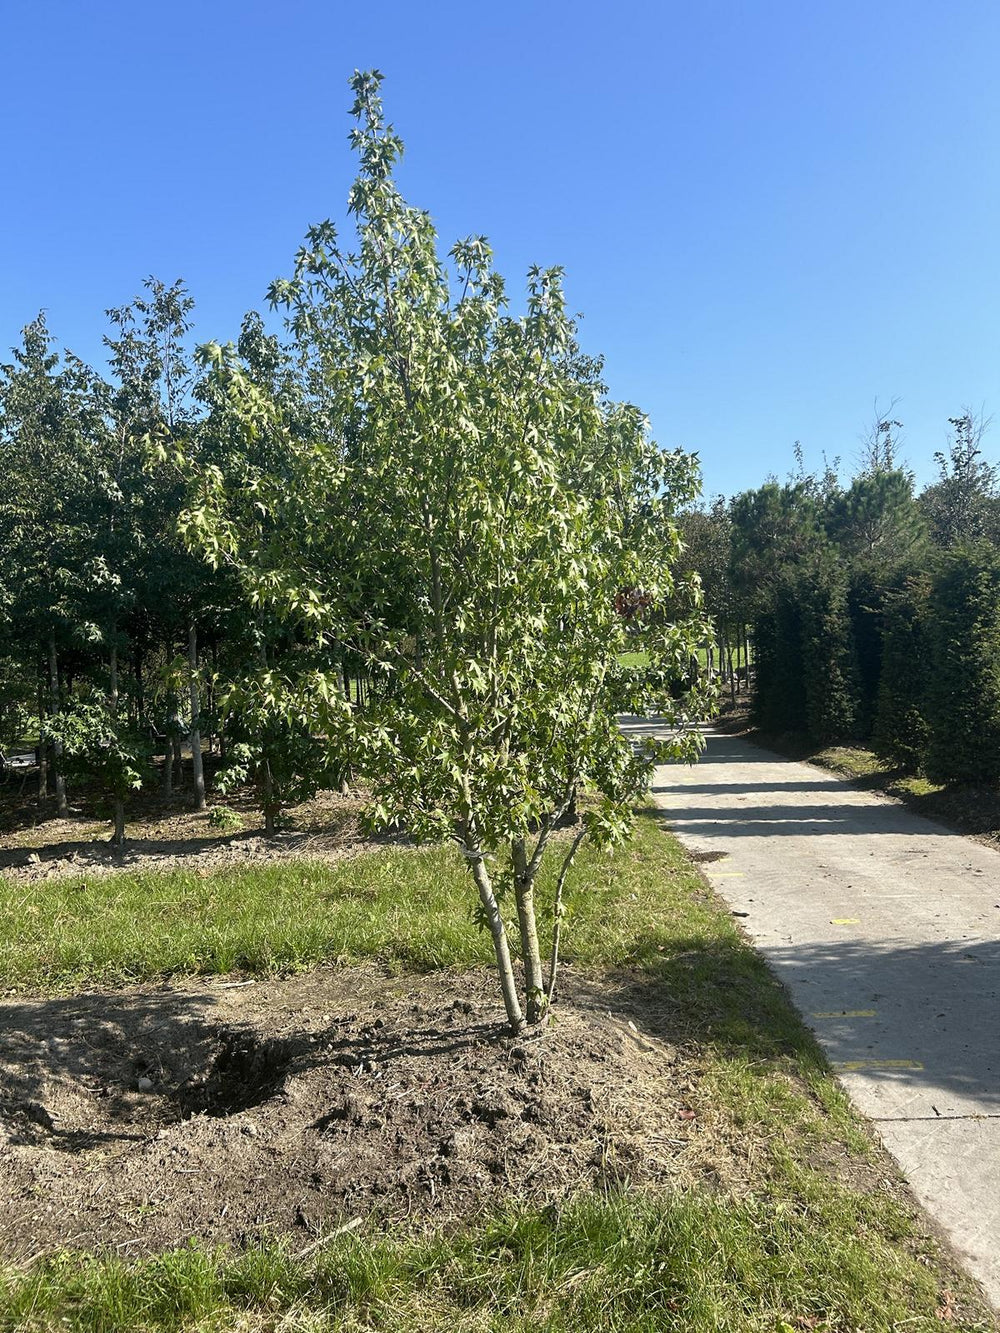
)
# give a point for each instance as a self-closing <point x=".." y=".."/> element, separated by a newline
<point x="726" y="995"/>
<point x="744" y="788"/>
<point x="793" y="820"/>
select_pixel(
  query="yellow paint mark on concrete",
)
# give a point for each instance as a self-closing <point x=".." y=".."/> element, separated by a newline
<point x="726" y="874"/>
<point x="845" y="921"/>
<point x="844" y="1013"/>
<point x="877" y="1064"/>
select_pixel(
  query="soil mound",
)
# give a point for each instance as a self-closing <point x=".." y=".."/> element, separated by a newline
<point x="135" y="1120"/>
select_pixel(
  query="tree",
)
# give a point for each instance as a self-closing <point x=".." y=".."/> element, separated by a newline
<point x="829" y="659"/>
<point x="963" y="505"/>
<point x="151" y="400"/>
<point x="878" y="519"/>
<point x="880" y="443"/>
<point x="474" y="522"/>
<point x="773" y="528"/>
<point x="779" y="699"/>
<point x="53" y="512"/>
<point x="963" y="694"/>
<point x="900" y="730"/>
<point x="706" y="534"/>
<point x="276" y="744"/>
<point x="97" y="746"/>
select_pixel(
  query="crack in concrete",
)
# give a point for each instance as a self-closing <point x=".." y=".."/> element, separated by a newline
<point x="907" y="1119"/>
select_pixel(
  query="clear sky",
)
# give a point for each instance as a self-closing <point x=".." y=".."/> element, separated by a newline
<point x="771" y="212"/>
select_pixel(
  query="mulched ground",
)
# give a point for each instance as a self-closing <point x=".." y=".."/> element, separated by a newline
<point x="162" y="835"/>
<point x="131" y="1121"/>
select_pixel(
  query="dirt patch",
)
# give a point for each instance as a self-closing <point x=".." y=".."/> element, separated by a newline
<point x="133" y="1121"/>
<point x="161" y="837"/>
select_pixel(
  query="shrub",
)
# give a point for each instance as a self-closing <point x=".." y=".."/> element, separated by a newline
<point x="963" y="698"/>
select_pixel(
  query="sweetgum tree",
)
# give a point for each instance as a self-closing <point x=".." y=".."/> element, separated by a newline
<point x="463" y="511"/>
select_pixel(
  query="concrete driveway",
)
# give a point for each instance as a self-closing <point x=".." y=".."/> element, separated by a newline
<point x="885" y="928"/>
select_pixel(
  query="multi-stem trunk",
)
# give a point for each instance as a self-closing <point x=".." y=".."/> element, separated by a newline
<point x="491" y="910"/>
<point x="197" y="770"/>
<point x="524" y="895"/>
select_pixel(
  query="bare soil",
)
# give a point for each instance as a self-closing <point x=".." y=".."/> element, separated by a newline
<point x="132" y="1121"/>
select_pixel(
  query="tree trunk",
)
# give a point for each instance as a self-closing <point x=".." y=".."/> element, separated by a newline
<point x="57" y="748"/>
<point x="487" y="898"/>
<point x="211" y="696"/>
<point x="167" y="788"/>
<point x="140" y="693"/>
<point x="178" y="759"/>
<point x="119" y="835"/>
<point x="169" y="750"/>
<point x="113" y="671"/>
<point x="524" y="894"/>
<point x="43" y="762"/>
<point x="197" y="770"/>
<point x="270" y="806"/>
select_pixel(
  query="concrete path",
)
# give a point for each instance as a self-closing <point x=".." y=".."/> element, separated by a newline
<point x="885" y="928"/>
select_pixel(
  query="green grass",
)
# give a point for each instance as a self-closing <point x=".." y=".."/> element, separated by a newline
<point x="633" y="659"/>
<point x="406" y="908"/>
<point x="643" y="908"/>
<point x="642" y="659"/>
<point x="694" y="1262"/>
<point x="799" y="1230"/>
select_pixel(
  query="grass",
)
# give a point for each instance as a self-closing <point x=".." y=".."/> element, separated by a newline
<point x="409" y="909"/>
<point x="697" y="1263"/>
<point x="803" y="1227"/>
<point x="642" y="659"/>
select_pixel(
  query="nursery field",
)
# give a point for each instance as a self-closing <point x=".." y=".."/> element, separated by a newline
<point x="279" y="1095"/>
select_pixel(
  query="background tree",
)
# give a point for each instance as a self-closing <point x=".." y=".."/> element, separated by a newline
<point x="97" y="747"/>
<point x="964" y="506"/>
<point x="900" y="731"/>
<point x="53" y="512"/>
<point x="963" y="694"/>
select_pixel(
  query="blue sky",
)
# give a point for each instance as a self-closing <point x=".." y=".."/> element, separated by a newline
<point x="770" y="213"/>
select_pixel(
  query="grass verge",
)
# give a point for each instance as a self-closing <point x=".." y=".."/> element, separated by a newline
<point x="697" y="1263"/>
<point x="800" y="1224"/>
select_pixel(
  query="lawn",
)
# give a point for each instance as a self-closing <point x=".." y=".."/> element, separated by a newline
<point x="794" y="1220"/>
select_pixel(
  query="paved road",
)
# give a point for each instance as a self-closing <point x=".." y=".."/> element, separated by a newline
<point x="885" y="928"/>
